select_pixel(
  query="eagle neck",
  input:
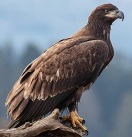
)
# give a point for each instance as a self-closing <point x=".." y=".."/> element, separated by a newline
<point x="99" y="29"/>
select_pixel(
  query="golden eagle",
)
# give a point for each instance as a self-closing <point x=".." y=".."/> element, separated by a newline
<point x="58" y="77"/>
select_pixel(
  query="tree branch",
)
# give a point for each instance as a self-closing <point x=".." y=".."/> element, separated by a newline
<point x="46" y="127"/>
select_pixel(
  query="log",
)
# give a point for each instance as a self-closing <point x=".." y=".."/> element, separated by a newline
<point x="46" y="127"/>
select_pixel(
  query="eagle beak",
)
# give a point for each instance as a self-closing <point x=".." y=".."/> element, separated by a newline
<point x="115" y="14"/>
<point x="120" y="15"/>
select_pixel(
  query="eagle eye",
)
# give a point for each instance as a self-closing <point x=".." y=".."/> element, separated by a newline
<point x="106" y="11"/>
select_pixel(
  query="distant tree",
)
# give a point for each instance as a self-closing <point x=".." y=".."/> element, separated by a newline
<point x="114" y="82"/>
<point x="110" y="87"/>
<point x="11" y="68"/>
<point x="6" y="73"/>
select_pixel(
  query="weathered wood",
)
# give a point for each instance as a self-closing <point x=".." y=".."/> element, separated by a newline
<point x="46" y="127"/>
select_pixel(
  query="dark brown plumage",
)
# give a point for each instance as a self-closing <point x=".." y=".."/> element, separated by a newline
<point x="58" y="77"/>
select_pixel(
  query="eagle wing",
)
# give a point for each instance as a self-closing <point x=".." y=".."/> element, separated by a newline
<point x="53" y="76"/>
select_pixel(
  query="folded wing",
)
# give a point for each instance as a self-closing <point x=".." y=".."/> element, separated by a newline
<point x="55" y="75"/>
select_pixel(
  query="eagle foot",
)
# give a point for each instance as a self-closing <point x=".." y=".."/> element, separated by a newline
<point x="76" y="121"/>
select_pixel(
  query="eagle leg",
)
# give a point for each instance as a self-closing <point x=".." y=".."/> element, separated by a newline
<point x="75" y="120"/>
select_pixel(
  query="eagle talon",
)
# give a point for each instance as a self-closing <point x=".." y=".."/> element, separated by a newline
<point x="83" y="122"/>
<point x="86" y="132"/>
<point x="77" y="121"/>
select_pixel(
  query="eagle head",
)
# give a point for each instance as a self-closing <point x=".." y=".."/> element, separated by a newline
<point x="107" y="13"/>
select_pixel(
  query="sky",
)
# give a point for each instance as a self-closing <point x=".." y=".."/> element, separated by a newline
<point x="45" y="22"/>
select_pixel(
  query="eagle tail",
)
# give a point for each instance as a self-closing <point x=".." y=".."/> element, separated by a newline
<point x="15" y="124"/>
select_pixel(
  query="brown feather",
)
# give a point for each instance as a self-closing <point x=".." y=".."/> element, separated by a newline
<point x="15" y="102"/>
<point x="59" y="76"/>
<point x="19" y="109"/>
<point x="42" y="93"/>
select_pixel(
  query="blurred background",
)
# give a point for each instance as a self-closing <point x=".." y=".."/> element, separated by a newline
<point x="29" y="27"/>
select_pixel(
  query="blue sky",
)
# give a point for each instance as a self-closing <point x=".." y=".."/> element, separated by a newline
<point x="45" y="22"/>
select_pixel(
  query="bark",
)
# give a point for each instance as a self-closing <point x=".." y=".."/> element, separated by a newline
<point x="46" y="127"/>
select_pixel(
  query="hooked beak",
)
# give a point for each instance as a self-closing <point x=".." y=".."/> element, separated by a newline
<point x="115" y="14"/>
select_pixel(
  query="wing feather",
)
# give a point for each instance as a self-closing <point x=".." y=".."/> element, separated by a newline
<point x="19" y="109"/>
<point x="15" y="102"/>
